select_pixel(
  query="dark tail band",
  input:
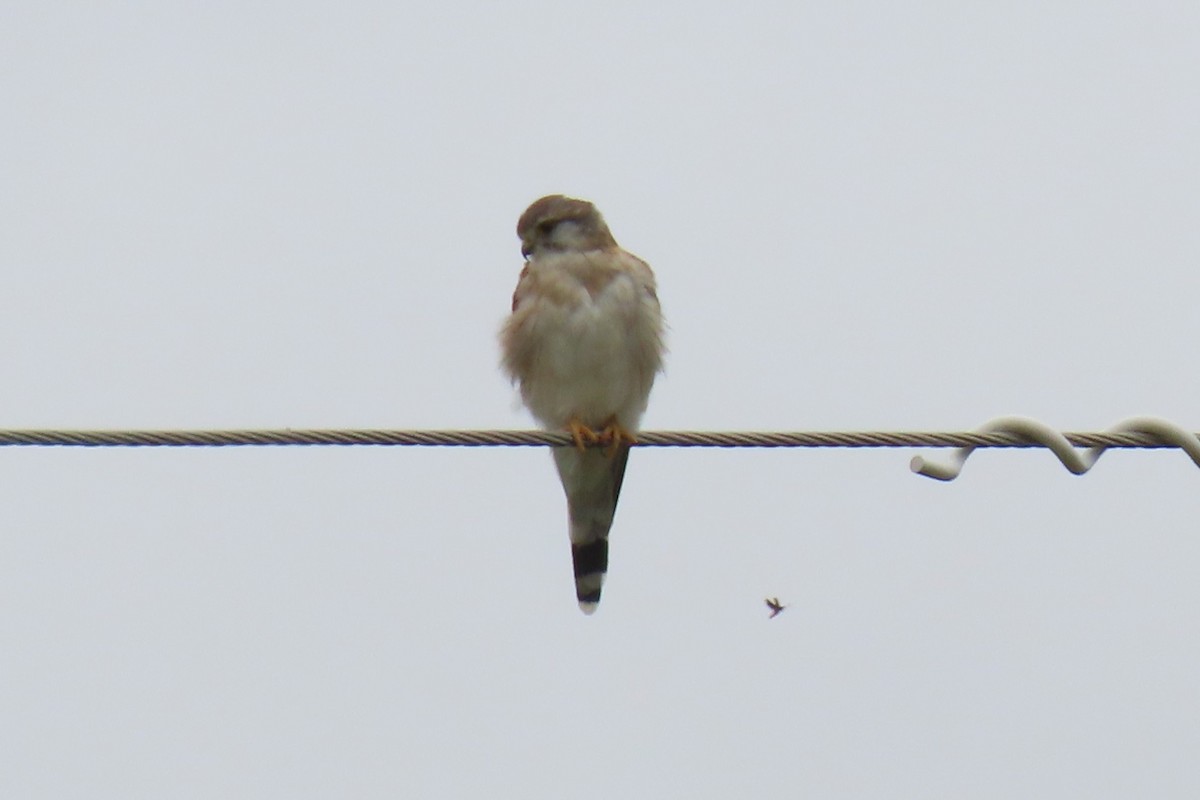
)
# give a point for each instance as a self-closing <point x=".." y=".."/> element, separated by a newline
<point x="591" y="564"/>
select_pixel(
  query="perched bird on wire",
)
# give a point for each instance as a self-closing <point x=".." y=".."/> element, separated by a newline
<point x="584" y="342"/>
<point x="775" y="606"/>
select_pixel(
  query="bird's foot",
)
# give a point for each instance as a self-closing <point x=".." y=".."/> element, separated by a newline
<point x="612" y="436"/>
<point x="582" y="435"/>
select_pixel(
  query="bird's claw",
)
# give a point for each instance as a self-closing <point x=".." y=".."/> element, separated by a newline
<point x="613" y="436"/>
<point x="582" y="435"/>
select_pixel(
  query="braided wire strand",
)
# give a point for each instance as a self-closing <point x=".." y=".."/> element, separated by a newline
<point x="527" y="438"/>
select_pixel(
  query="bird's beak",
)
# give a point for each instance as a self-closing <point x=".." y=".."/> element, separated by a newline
<point x="526" y="249"/>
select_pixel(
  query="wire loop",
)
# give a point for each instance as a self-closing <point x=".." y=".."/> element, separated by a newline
<point x="1036" y="433"/>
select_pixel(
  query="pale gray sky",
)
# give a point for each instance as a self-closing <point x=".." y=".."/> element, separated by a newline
<point x="862" y="216"/>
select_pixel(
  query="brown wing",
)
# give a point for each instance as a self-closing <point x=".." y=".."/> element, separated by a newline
<point x="517" y="291"/>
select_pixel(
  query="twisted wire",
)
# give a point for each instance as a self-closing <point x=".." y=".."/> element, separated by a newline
<point x="1139" y="432"/>
<point x="503" y="438"/>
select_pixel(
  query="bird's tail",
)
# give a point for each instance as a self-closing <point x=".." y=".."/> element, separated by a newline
<point x="592" y="481"/>
<point x="591" y="565"/>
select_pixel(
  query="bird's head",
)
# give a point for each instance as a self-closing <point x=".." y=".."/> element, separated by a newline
<point x="557" y="223"/>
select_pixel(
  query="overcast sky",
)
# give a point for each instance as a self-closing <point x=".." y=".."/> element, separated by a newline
<point x="861" y="215"/>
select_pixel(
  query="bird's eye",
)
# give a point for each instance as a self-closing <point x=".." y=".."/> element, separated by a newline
<point x="545" y="226"/>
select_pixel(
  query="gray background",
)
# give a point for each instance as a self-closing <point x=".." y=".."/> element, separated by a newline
<point x="862" y="216"/>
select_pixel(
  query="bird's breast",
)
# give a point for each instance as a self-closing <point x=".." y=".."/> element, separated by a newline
<point x="593" y="360"/>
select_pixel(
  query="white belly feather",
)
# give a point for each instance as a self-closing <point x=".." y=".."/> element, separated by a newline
<point x="595" y="354"/>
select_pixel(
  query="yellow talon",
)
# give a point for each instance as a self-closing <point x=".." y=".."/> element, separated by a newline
<point x="582" y="435"/>
<point x="613" y="435"/>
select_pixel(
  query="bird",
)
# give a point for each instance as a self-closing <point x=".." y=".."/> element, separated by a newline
<point x="775" y="606"/>
<point x="584" y="343"/>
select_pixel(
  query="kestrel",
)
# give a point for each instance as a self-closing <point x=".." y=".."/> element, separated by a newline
<point x="584" y="343"/>
<point x="775" y="606"/>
